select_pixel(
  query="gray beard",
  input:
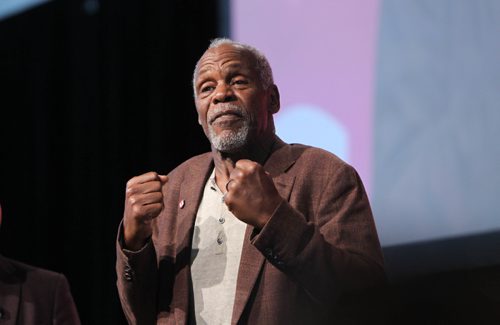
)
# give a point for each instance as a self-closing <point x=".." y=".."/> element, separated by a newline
<point x="229" y="141"/>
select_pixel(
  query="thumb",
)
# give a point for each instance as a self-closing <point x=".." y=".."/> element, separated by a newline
<point x="163" y="178"/>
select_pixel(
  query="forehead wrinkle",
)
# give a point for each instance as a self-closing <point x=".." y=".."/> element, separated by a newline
<point x="221" y="64"/>
<point x="224" y="66"/>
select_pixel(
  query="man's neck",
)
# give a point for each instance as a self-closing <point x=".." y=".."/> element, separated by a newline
<point x="258" y="151"/>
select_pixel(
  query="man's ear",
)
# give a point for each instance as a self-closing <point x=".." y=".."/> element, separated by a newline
<point x="274" y="106"/>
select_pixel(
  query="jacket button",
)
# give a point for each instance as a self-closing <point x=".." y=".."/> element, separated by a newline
<point x="128" y="273"/>
<point x="127" y="276"/>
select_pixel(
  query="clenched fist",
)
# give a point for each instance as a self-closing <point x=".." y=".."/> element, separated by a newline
<point x="143" y="203"/>
<point x="251" y="195"/>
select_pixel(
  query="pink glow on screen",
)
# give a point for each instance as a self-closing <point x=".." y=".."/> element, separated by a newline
<point x="323" y="54"/>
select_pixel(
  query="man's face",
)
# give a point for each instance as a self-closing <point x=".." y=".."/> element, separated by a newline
<point x="232" y="106"/>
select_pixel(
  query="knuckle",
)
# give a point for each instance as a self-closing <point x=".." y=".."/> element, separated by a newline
<point x="252" y="167"/>
<point x="239" y="174"/>
<point x="136" y="209"/>
<point x="129" y="184"/>
<point x="152" y="175"/>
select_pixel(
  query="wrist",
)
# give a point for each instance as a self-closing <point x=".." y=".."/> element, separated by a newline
<point x="266" y="216"/>
<point x="134" y="239"/>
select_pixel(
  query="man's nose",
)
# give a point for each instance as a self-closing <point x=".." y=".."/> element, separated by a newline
<point x="223" y="93"/>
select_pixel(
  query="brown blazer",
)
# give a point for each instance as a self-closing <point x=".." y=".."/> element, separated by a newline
<point x="319" y="244"/>
<point x="30" y="295"/>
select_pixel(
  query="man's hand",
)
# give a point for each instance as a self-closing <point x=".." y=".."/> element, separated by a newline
<point x="143" y="203"/>
<point x="251" y="195"/>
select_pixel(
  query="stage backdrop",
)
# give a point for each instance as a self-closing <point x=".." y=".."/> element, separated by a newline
<point x="408" y="92"/>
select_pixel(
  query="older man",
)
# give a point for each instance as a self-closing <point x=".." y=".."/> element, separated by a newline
<point x="256" y="231"/>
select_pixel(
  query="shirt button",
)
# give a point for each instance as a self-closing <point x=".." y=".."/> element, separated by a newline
<point x="220" y="241"/>
<point x="222" y="220"/>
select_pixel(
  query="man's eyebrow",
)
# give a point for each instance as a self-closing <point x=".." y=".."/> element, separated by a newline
<point x="200" y="76"/>
<point x="234" y="65"/>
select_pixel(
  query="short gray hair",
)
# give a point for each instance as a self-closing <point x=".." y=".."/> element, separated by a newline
<point x="261" y="63"/>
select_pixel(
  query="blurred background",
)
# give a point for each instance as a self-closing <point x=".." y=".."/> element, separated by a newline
<point x="94" y="92"/>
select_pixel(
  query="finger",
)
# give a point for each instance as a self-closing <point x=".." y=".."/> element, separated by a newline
<point x="231" y="184"/>
<point x="163" y="179"/>
<point x="237" y="173"/>
<point x="143" y="188"/>
<point x="227" y="199"/>
<point x="152" y="210"/>
<point x="144" y="178"/>
<point x="246" y="164"/>
<point x="149" y="198"/>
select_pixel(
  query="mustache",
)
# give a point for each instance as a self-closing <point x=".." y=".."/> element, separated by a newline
<point x="224" y="109"/>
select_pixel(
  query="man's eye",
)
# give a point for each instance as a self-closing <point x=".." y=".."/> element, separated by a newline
<point x="240" y="82"/>
<point x="207" y="88"/>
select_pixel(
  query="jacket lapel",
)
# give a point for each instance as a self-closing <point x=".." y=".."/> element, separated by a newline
<point x="190" y="196"/>
<point x="10" y="291"/>
<point x="252" y="259"/>
<point x="250" y="265"/>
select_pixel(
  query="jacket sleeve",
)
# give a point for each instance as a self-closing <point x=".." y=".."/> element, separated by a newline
<point x="137" y="282"/>
<point x="333" y="251"/>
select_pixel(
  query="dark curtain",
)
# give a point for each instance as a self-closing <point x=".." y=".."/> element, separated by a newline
<point x="92" y="93"/>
